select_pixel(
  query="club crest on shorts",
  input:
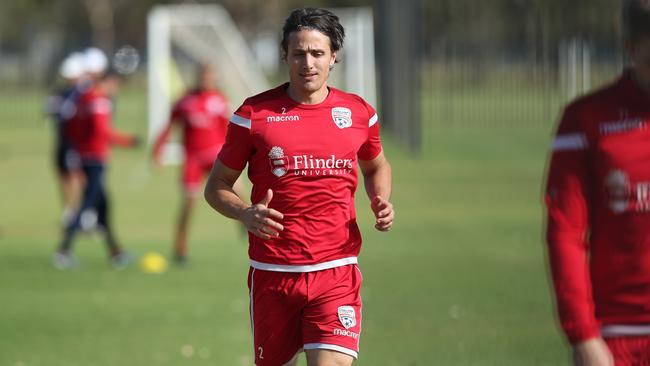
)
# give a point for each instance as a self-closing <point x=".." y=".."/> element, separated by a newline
<point x="347" y="316"/>
<point x="279" y="163"/>
<point x="342" y="117"/>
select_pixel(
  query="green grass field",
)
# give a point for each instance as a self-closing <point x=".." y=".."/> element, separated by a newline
<point x="461" y="280"/>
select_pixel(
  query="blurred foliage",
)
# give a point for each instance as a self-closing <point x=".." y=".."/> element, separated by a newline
<point x="20" y="20"/>
<point x="498" y="24"/>
<point x="501" y="20"/>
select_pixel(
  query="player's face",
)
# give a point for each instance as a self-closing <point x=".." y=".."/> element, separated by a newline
<point x="639" y="51"/>
<point x="111" y="86"/>
<point x="309" y="56"/>
<point x="207" y="78"/>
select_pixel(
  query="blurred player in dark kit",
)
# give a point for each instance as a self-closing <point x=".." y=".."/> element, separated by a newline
<point x="92" y="135"/>
<point x="62" y="107"/>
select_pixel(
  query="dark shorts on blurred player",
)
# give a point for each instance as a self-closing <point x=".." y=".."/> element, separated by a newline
<point x="630" y="350"/>
<point x="66" y="159"/>
<point x="196" y="167"/>
<point x="311" y="310"/>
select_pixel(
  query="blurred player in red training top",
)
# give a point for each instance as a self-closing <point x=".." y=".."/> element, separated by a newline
<point x="92" y="135"/>
<point x="598" y="198"/>
<point x="203" y="115"/>
<point x="304" y="142"/>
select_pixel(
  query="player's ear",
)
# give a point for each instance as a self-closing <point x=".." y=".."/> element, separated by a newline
<point x="284" y="56"/>
<point x="333" y="60"/>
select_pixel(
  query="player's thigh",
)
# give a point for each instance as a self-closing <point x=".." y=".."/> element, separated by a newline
<point x="332" y="319"/>
<point x="324" y="357"/>
<point x="294" y="360"/>
<point x="191" y="176"/>
<point x="275" y="308"/>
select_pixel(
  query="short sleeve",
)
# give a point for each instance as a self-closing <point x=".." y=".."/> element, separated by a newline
<point x="177" y="111"/>
<point x="238" y="147"/>
<point x="372" y="146"/>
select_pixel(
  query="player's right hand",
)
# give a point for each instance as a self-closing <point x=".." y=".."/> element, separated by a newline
<point x="261" y="220"/>
<point x="592" y="352"/>
<point x="136" y="141"/>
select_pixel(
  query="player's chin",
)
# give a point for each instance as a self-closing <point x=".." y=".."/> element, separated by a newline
<point x="312" y="85"/>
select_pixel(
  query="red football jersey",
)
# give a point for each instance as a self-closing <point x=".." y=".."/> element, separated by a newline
<point x="307" y="154"/>
<point x="598" y="198"/>
<point x="90" y="130"/>
<point x="204" y="116"/>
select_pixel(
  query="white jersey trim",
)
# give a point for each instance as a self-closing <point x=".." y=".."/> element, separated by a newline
<point x="304" y="268"/>
<point x="570" y="142"/>
<point x="332" y="347"/>
<point x="240" y="121"/>
<point x="617" y="330"/>
<point x="372" y="120"/>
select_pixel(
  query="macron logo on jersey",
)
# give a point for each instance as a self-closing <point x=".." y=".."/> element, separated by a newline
<point x="608" y="128"/>
<point x="282" y="118"/>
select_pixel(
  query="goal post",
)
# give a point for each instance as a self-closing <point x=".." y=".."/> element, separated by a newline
<point x="357" y="72"/>
<point x="200" y="34"/>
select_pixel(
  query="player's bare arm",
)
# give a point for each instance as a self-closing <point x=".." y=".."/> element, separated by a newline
<point x="259" y="219"/>
<point x="377" y="176"/>
<point x="592" y="352"/>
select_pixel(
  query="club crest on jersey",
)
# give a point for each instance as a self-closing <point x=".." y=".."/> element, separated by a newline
<point x="342" y="117"/>
<point x="279" y="163"/>
<point x="347" y="316"/>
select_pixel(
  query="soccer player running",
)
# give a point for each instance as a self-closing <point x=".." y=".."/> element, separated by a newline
<point x="203" y="115"/>
<point x="302" y="142"/>
<point x="91" y="134"/>
<point x="598" y="199"/>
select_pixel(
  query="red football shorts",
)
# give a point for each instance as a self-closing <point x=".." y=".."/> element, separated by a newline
<point x="630" y="351"/>
<point x="197" y="166"/>
<point x="311" y="310"/>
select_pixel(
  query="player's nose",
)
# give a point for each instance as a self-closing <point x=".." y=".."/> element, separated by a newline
<point x="309" y="61"/>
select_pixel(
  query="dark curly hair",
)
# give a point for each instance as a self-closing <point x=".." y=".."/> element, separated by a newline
<point x="636" y="19"/>
<point x="321" y="20"/>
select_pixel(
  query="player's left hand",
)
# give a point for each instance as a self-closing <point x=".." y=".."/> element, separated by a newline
<point x="384" y="213"/>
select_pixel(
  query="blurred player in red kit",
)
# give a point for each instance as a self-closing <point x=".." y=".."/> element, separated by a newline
<point x="304" y="142"/>
<point x="598" y="199"/>
<point x="203" y="114"/>
<point x="92" y="135"/>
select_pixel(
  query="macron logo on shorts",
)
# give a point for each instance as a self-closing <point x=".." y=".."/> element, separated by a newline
<point x="347" y="316"/>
